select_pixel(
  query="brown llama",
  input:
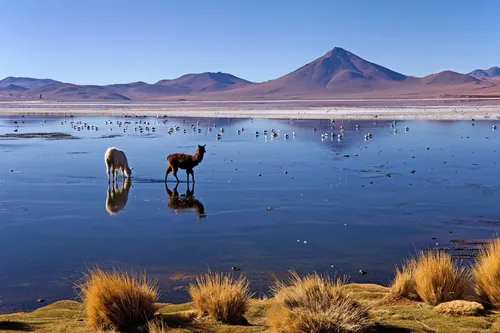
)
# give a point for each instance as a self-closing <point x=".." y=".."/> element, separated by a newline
<point x="185" y="201"/>
<point x="117" y="198"/>
<point x="184" y="161"/>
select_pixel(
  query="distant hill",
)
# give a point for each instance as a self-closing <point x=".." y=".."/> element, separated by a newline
<point x="485" y="73"/>
<point x="337" y="74"/>
<point x="448" y="78"/>
<point x="66" y="91"/>
<point x="13" y="87"/>
<point x="26" y="82"/>
<point x="206" y="82"/>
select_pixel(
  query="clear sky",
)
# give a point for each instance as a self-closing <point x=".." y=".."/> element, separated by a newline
<point x="117" y="41"/>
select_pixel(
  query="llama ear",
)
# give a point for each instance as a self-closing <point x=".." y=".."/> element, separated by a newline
<point x="204" y="145"/>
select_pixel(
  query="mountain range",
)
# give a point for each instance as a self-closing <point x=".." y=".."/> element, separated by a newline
<point x="337" y="74"/>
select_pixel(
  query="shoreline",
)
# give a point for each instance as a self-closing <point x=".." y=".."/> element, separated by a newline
<point x="418" y="112"/>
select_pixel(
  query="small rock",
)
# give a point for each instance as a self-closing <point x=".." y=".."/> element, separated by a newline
<point x="412" y="171"/>
<point x="433" y="238"/>
<point x="286" y="172"/>
<point x="11" y="170"/>
<point x="40" y="300"/>
<point x="362" y="272"/>
<point x="235" y="269"/>
<point x="260" y="175"/>
<point x="346" y="155"/>
<point x="413" y="157"/>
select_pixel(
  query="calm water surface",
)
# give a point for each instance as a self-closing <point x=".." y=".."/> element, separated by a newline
<point x="265" y="206"/>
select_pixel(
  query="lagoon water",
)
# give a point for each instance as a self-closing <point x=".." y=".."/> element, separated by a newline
<point x="265" y="206"/>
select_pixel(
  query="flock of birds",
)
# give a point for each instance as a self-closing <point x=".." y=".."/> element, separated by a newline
<point x="147" y="126"/>
<point x="141" y="126"/>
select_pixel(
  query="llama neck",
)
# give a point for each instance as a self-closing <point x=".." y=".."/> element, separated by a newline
<point x="198" y="157"/>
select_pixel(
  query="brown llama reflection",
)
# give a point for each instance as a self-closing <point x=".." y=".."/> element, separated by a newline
<point x="116" y="197"/>
<point x="185" y="201"/>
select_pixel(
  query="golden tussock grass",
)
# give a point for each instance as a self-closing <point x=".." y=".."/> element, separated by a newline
<point x="115" y="300"/>
<point x="438" y="279"/>
<point x="315" y="304"/>
<point x="403" y="285"/>
<point x="156" y="326"/>
<point x="459" y="308"/>
<point x="486" y="273"/>
<point x="221" y="296"/>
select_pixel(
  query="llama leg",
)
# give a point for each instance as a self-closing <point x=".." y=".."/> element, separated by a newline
<point x="192" y="175"/>
<point x="187" y="174"/>
<point x="108" y="167"/>
<point x="174" y="171"/>
<point x="169" y="170"/>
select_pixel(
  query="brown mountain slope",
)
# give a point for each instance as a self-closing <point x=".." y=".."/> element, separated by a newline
<point x="26" y="82"/>
<point x="486" y="73"/>
<point x="72" y="92"/>
<point x="189" y="84"/>
<point x="13" y="87"/>
<point x="448" y="78"/>
<point x="335" y="72"/>
<point x="206" y="82"/>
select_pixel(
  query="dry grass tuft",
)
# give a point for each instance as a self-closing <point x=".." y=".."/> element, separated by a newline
<point x="156" y="326"/>
<point x="316" y="304"/>
<point x="486" y="273"/>
<point x="459" y="308"/>
<point x="221" y="296"/>
<point x="438" y="279"/>
<point x="116" y="300"/>
<point x="403" y="285"/>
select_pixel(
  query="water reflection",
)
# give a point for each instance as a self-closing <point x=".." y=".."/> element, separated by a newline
<point x="185" y="201"/>
<point x="117" y="197"/>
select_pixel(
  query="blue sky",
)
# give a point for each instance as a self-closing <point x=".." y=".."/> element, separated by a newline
<point x="123" y="41"/>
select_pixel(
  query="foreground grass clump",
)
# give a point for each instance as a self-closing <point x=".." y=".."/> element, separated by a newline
<point x="486" y="273"/>
<point x="156" y="326"/>
<point x="459" y="308"/>
<point x="117" y="300"/>
<point x="221" y="296"/>
<point x="315" y="304"/>
<point x="438" y="279"/>
<point x="403" y="285"/>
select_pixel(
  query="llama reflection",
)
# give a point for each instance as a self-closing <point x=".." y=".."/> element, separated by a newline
<point x="185" y="201"/>
<point x="116" y="198"/>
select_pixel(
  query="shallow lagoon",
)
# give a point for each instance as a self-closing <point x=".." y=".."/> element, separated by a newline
<point x="266" y="205"/>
